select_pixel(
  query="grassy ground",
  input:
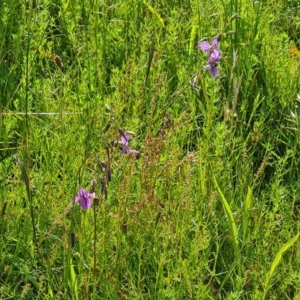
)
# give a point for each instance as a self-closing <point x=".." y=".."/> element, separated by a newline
<point x="209" y="208"/>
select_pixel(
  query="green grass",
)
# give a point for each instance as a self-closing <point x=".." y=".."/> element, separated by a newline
<point x="210" y="207"/>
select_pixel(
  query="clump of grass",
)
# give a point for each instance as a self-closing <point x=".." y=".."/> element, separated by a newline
<point x="208" y="206"/>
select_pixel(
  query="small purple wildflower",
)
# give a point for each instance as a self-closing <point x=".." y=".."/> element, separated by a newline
<point x="84" y="198"/>
<point x="213" y="55"/>
<point x="207" y="47"/>
<point x="124" y="142"/>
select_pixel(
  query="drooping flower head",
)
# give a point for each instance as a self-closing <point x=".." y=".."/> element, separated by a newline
<point x="124" y="141"/>
<point x="213" y="55"/>
<point x="84" y="198"/>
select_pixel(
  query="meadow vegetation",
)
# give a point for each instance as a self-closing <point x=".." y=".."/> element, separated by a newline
<point x="210" y="206"/>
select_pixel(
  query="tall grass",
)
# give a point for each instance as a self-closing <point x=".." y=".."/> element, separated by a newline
<point x="209" y="208"/>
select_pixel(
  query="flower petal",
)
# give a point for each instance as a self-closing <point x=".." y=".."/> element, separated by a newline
<point x="86" y="203"/>
<point x="204" y="46"/>
<point x="81" y="192"/>
<point x="124" y="137"/>
<point x="128" y="149"/>
<point x="215" y="42"/>
<point x="215" y="56"/>
<point x="213" y="70"/>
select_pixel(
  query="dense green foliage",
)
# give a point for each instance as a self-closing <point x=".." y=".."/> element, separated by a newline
<point x="210" y="207"/>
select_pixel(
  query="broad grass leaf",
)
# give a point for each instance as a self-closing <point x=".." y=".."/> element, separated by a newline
<point x="277" y="260"/>
<point x="229" y="214"/>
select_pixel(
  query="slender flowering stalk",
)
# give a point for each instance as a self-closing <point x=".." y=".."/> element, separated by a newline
<point x="124" y="141"/>
<point x="84" y="198"/>
<point x="213" y="55"/>
<point x="107" y="169"/>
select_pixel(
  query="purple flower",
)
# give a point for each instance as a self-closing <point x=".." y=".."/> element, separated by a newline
<point x="207" y="47"/>
<point x="84" y="198"/>
<point x="213" y="55"/>
<point x="124" y="142"/>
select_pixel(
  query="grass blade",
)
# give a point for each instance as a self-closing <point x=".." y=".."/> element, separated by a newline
<point x="24" y="175"/>
<point x="73" y="280"/>
<point x="277" y="260"/>
<point x="27" y="184"/>
<point x="192" y="38"/>
<point x="246" y="216"/>
<point x="155" y="13"/>
<point x="229" y="214"/>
